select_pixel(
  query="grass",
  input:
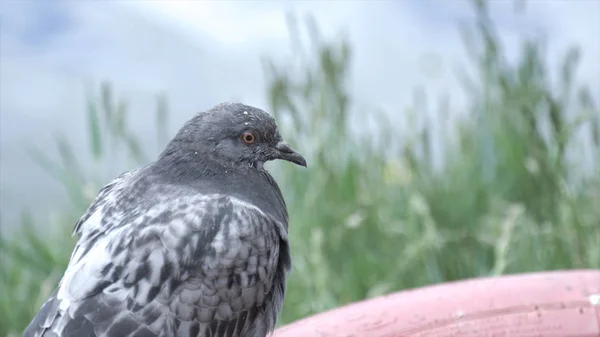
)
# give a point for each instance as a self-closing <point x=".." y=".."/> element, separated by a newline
<point x="372" y="215"/>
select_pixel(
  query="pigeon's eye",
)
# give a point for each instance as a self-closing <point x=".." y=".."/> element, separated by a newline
<point x="249" y="137"/>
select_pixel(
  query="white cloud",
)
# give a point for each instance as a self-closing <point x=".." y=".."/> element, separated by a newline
<point x="226" y="23"/>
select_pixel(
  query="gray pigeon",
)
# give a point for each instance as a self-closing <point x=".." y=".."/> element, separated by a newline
<point x="194" y="244"/>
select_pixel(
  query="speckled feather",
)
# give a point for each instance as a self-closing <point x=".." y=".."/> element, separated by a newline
<point x="166" y="254"/>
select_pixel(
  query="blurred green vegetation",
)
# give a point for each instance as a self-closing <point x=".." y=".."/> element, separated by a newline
<point x="372" y="214"/>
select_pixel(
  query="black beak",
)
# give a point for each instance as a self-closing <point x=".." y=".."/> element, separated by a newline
<point x="287" y="153"/>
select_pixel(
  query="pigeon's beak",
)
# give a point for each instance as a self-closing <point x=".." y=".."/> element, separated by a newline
<point x="287" y="153"/>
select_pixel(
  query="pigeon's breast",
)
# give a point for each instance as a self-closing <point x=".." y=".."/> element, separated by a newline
<point x="255" y="189"/>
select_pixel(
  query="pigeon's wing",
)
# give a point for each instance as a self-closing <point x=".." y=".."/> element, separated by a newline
<point x="181" y="265"/>
<point x="52" y="313"/>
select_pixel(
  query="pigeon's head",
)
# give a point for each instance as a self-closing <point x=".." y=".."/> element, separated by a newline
<point x="235" y="133"/>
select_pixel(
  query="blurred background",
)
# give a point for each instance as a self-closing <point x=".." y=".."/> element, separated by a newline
<point x="446" y="139"/>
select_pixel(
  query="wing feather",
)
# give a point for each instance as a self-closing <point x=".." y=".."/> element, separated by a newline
<point x="178" y="264"/>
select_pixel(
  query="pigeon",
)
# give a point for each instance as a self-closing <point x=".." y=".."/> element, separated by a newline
<point x="194" y="244"/>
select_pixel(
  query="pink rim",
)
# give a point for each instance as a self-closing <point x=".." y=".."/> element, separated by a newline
<point x="549" y="304"/>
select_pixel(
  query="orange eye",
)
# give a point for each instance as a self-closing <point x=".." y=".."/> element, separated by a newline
<point x="249" y="137"/>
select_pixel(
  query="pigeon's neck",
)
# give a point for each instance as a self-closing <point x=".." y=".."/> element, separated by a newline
<point x="193" y="165"/>
<point x="208" y="175"/>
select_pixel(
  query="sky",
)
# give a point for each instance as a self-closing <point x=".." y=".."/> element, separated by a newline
<point x="200" y="53"/>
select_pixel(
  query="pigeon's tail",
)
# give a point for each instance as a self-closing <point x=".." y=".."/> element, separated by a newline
<point x="96" y="316"/>
<point x="44" y="319"/>
<point x="49" y="322"/>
